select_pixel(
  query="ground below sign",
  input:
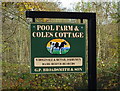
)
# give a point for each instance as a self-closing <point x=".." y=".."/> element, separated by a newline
<point x="57" y="48"/>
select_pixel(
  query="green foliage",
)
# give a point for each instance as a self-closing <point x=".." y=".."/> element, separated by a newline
<point x="18" y="77"/>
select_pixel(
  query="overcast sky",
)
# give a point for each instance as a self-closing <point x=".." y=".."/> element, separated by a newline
<point x="69" y="3"/>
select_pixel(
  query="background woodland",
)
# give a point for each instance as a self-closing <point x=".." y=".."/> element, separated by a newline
<point x="16" y="44"/>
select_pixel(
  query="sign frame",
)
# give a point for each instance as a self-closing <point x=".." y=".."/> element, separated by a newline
<point x="91" y="17"/>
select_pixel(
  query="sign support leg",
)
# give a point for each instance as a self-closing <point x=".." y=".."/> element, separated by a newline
<point x="92" y="54"/>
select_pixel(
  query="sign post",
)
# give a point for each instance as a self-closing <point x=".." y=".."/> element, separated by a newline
<point x="91" y="17"/>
